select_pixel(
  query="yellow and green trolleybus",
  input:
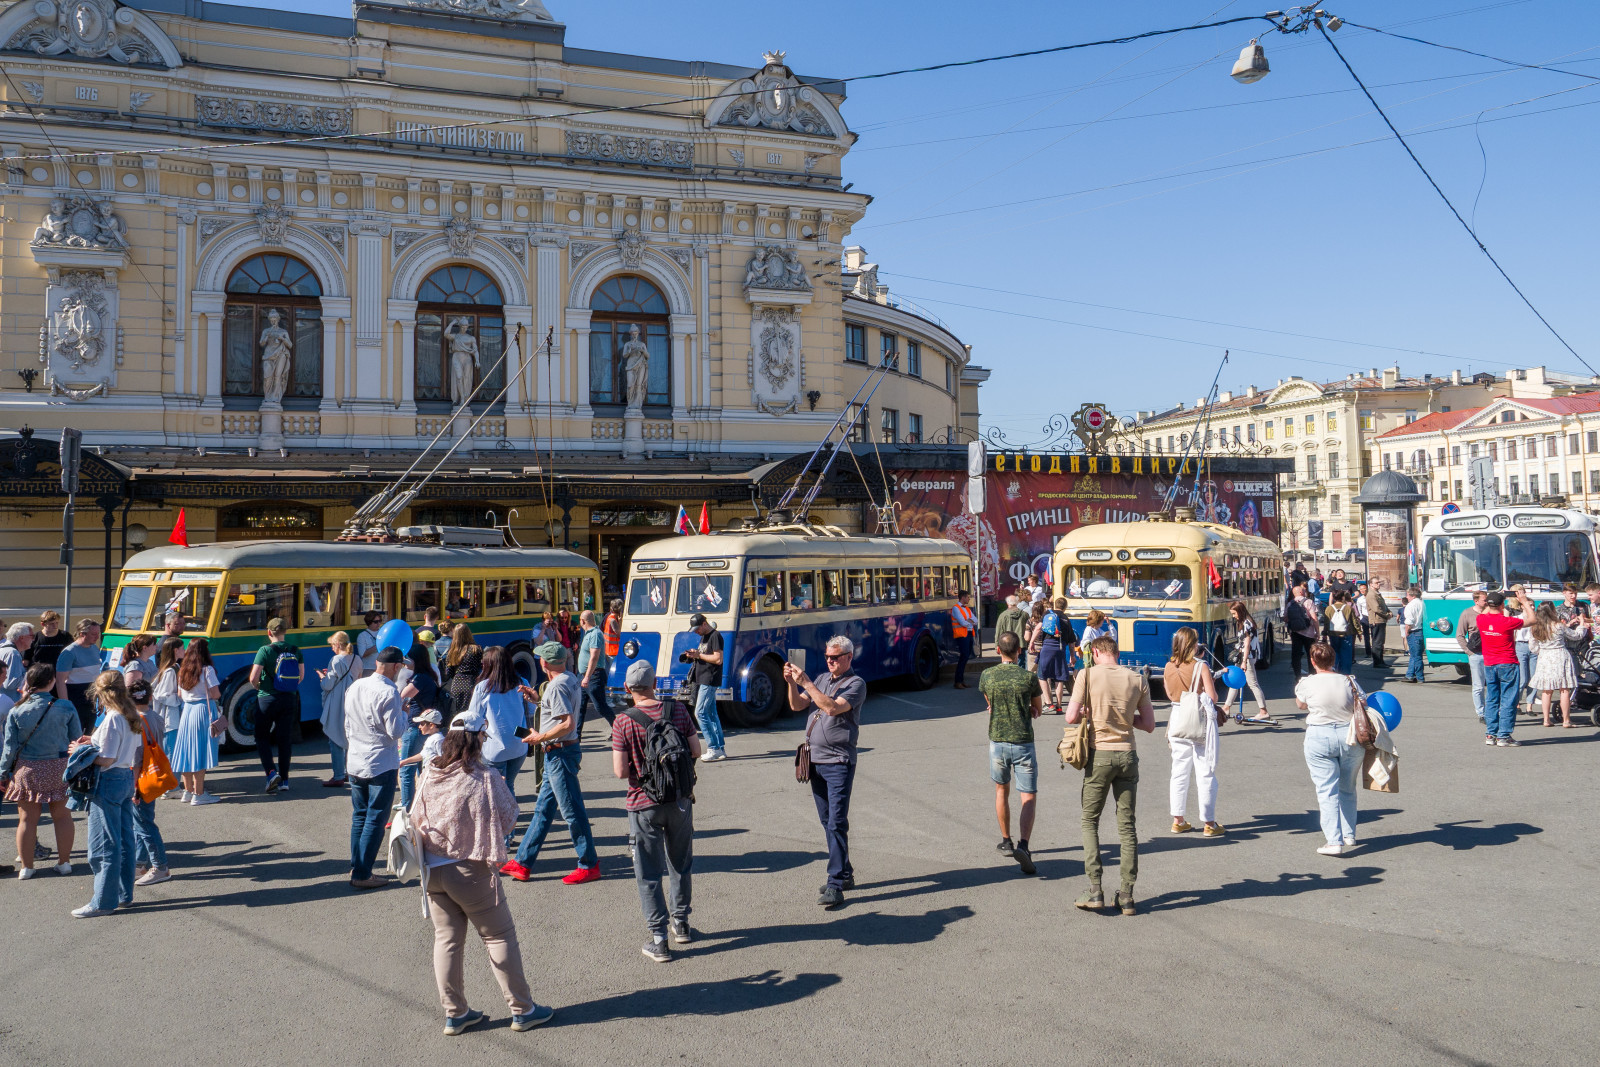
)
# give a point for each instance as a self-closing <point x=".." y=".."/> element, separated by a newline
<point x="229" y="590"/>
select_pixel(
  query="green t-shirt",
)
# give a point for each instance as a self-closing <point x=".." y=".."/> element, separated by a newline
<point x="267" y="660"/>
<point x="1011" y="689"/>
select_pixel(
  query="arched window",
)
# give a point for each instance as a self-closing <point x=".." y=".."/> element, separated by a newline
<point x="263" y="284"/>
<point x="619" y="304"/>
<point x="459" y="307"/>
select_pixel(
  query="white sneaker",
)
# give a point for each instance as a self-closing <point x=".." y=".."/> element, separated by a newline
<point x="713" y="755"/>
<point x="24" y="873"/>
<point x="205" y="798"/>
<point x="1349" y="842"/>
<point x="62" y="868"/>
<point x="154" y="876"/>
<point x="1331" y="850"/>
<point x="185" y="798"/>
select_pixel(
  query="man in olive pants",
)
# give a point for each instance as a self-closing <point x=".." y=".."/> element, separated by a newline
<point x="1117" y="700"/>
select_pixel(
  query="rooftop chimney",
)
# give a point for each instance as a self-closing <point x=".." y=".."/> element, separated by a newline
<point x="1455" y="377"/>
<point x="1391" y="377"/>
<point x="1372" y="372"/>
<point x="1250" y="391"/>
<point x="1223" y="398"/>
<point x="854" y="257"/>
<point x="1200" y="402"/>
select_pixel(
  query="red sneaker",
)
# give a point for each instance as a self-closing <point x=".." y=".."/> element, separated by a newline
<point x="517" y="871"/>
<point x="583" y="874"/>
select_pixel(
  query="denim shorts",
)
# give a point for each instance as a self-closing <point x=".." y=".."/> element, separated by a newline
<point x="1004" y="758"/>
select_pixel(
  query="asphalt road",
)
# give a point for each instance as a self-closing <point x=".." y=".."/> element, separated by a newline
<point x="1462" y="931"/>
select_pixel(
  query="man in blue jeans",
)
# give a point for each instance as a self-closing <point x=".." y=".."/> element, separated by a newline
<point x="374" y="722"/>
<point x="832" y="731"/>
<point x="1411" y="626"/>
<point x="592" y="664"/>
<point x="557" y="735"/>
<point x="706" y="676"/>
<point x="1501" y="675"/>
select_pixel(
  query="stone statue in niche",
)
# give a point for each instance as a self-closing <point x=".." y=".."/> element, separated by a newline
<point x="636" y="369"/>
<point x="277" y="349"/>
<point x="463" y="361"/>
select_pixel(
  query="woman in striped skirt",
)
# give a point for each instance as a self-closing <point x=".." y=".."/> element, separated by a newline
<point x="195" y="751"/>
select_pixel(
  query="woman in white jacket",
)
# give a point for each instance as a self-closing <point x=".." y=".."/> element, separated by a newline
<point x="1183" y="672"/>
<point x="344" y="668"/>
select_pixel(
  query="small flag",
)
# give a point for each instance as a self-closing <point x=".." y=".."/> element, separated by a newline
<point x="1212" y="575"/>
<point x="682" y="524"/>
<point x="713" y="597"/>
<point x="705" y="518"/>
<point x="180" y="532"/>
<point x="1174" y="587"/>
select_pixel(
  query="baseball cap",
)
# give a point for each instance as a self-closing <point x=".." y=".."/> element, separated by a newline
<point x="641" y="675"/>
<point x="467" y="721"/>
<point x="552" y="652"/>
<point x="433" y="715"/>
<point x="275" y="624"/>
<point x="427" y="637"/>
<point x="391" y="655"/>
<point x="697" y="619"/>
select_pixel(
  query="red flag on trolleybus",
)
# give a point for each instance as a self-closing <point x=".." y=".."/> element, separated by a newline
<point x="1212" y="576"/>
<point x="705" y="517"/>
<point x="180" y="532"/>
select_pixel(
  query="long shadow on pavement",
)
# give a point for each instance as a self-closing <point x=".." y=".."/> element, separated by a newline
<point x="750" y="993"/>
<point x="868" y="928"/>
<point x="1459" y="836"/>
<point x="1286" y="885"/>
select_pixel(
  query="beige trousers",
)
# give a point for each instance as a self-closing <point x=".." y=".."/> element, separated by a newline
<point x="459" y="893"/>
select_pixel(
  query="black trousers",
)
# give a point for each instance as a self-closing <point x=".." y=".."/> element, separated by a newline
<point x="276" y="716"/>
<point x="1299" y="645"/>
<point x="1375" y="638"/>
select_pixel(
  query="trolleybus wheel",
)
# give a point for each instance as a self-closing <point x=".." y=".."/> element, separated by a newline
<point x="522" y="660"/>
<point x="1463" y="671"/>
<point x="766" y="693"/>
<point x="925" y="663"/>
<point x="239" y="710"/>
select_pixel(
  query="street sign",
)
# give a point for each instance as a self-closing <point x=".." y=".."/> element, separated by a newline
<point x="1480" y="482"/>
<point x="1450" y="509"/>
<point x="71" y="459"/>
<point x="1314" y="535"/>
<point x="977" y="461"/>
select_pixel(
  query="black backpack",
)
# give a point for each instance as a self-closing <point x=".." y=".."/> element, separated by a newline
<point x="667" y="774"/>
<point x="1295" y="617"/>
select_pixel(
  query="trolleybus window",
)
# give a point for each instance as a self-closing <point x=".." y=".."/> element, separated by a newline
<point x="250" y="605"/>
<point x="420" y="596"/>
<point x="648" y="596"/>
<point x="802" y="590"/>
<point x="832" y="589"/>
<point x="1095" y="582"/>
<point x="193" y="600"/>
<point x="1455" y="560"/>
<point x="1164" y="582"/>
<point x="463" y="600"/>
<point x="936" y="581"/>
<point x="888" y="585"/>
<point x="320" y="603"/>
<point x="369" y="596"/>
<point x="763" y="592"/>
<point x="911" y="583"/>
<point x="129" y="611"/>
<point x="500" y="596"/>
<point x="535" y="595"/>
<point x="858" y="586"/>
<point x="1549" y="558"/>
<point x="707" y="594"/>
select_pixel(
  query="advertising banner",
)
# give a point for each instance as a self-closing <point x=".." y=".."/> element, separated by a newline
<point x="1032" y="500"/>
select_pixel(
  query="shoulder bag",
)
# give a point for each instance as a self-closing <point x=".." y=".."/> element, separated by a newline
<point x="155" y="777"/>
<point x="1361" y="731"/>
<point x="802" y="752"/>
<point x="1190" y="712"/>
<point x="1077" y="743"/>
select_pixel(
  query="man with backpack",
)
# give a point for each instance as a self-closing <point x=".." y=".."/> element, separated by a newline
<point x="1378" y="616"/>
<point x="1300" y="613"/>
<point x="653" y="750"/>
<point x="276" y="676"/>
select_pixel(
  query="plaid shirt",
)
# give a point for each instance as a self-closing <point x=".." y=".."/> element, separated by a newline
<point x="627" y="737"/>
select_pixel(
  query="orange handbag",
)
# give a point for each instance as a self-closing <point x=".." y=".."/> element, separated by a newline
<point x="155" y="777"/>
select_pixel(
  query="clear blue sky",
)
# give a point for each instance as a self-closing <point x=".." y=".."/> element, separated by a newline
<point x="1341" y="240"/>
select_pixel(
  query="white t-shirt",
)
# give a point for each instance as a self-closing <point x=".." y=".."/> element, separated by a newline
<point x="433" y="746"/>
<point x="203" y="690"/>
<point x="1413" y="614"/>
<point x="164" y="690"/>
<point x="367" y="649"/>
<point x="1329" y="699"/>
<point x="117" y="740"/>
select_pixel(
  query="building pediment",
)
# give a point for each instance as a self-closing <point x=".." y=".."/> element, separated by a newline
<point x="102" y="30"/>
<point x="1493" y="415"/>
<point x="1293" y="390"/>
<point x="774" y="99"/>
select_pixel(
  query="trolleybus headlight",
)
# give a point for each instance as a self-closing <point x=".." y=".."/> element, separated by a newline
<point x="631" y="649"/>
<point x="1442" y="625"/>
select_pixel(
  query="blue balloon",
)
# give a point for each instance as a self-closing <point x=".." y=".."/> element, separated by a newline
<point x="1233" y="676"/>
<point x="395" y="634"/>
<point x="1385" y="704"/>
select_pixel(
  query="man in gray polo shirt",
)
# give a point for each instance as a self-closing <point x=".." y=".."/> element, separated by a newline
<point x="832" y="731"/>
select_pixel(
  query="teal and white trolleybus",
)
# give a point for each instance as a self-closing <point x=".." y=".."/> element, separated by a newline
<point x="1542" y="549"/>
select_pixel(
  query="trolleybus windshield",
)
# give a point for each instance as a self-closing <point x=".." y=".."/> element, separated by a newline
<point x="1549" y="559"/>
<point x="1455" y="560"/>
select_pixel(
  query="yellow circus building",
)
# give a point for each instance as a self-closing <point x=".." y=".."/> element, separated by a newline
<point x="261" y="259"/>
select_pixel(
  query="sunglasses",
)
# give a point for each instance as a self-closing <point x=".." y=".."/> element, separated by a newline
<point x="831" y="656"/>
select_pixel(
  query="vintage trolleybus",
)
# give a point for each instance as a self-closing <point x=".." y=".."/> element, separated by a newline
<point x="228" y="591"/>
<point x="1541" y="549"/>
<point x="777" y="595"/>
<point x="1153" y="577"/>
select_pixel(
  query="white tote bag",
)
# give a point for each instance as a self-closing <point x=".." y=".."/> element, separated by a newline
<point x="1190" y="713"/>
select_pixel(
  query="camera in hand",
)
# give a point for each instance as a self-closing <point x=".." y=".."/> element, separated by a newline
<point x="685" y="657"/>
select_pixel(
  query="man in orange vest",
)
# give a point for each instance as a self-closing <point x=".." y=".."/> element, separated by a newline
<point x="613" y="629"/>
<point x="963" y="626"/>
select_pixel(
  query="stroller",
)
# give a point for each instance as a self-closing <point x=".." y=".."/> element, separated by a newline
<point x="1587" y="696"/>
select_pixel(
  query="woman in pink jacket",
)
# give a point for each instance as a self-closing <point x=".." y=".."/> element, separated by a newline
<point x="463" y="811"/>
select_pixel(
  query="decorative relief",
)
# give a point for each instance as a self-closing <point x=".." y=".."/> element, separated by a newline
<point x="579" y="249"/>
<point x="404" y="239"/>
<point x="282" y="115"/>
<point x="775" y="100"/>
<point x="628" y="148"/>
<point x="630" y="245"/>
<point x="462" y="234"/>
<point x="772" y="267"/>
<point x="137" y="100"/>
<point x="34" y="91"/>
<point x="90" y="29"/>
<point x="510" y="10"/>
<point x="78" y="395"/>
<point x="680" y="256"/>
<point x="273" y="222"/>
<point x="81" y="222"/>
<point x="516" y="245"/>
<point x="334" y="235"/>
<point x="738" y="156"/>
<point x="775" y="360"/>
<point x="78" y="325"/>
<point x="213" y="225"/>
